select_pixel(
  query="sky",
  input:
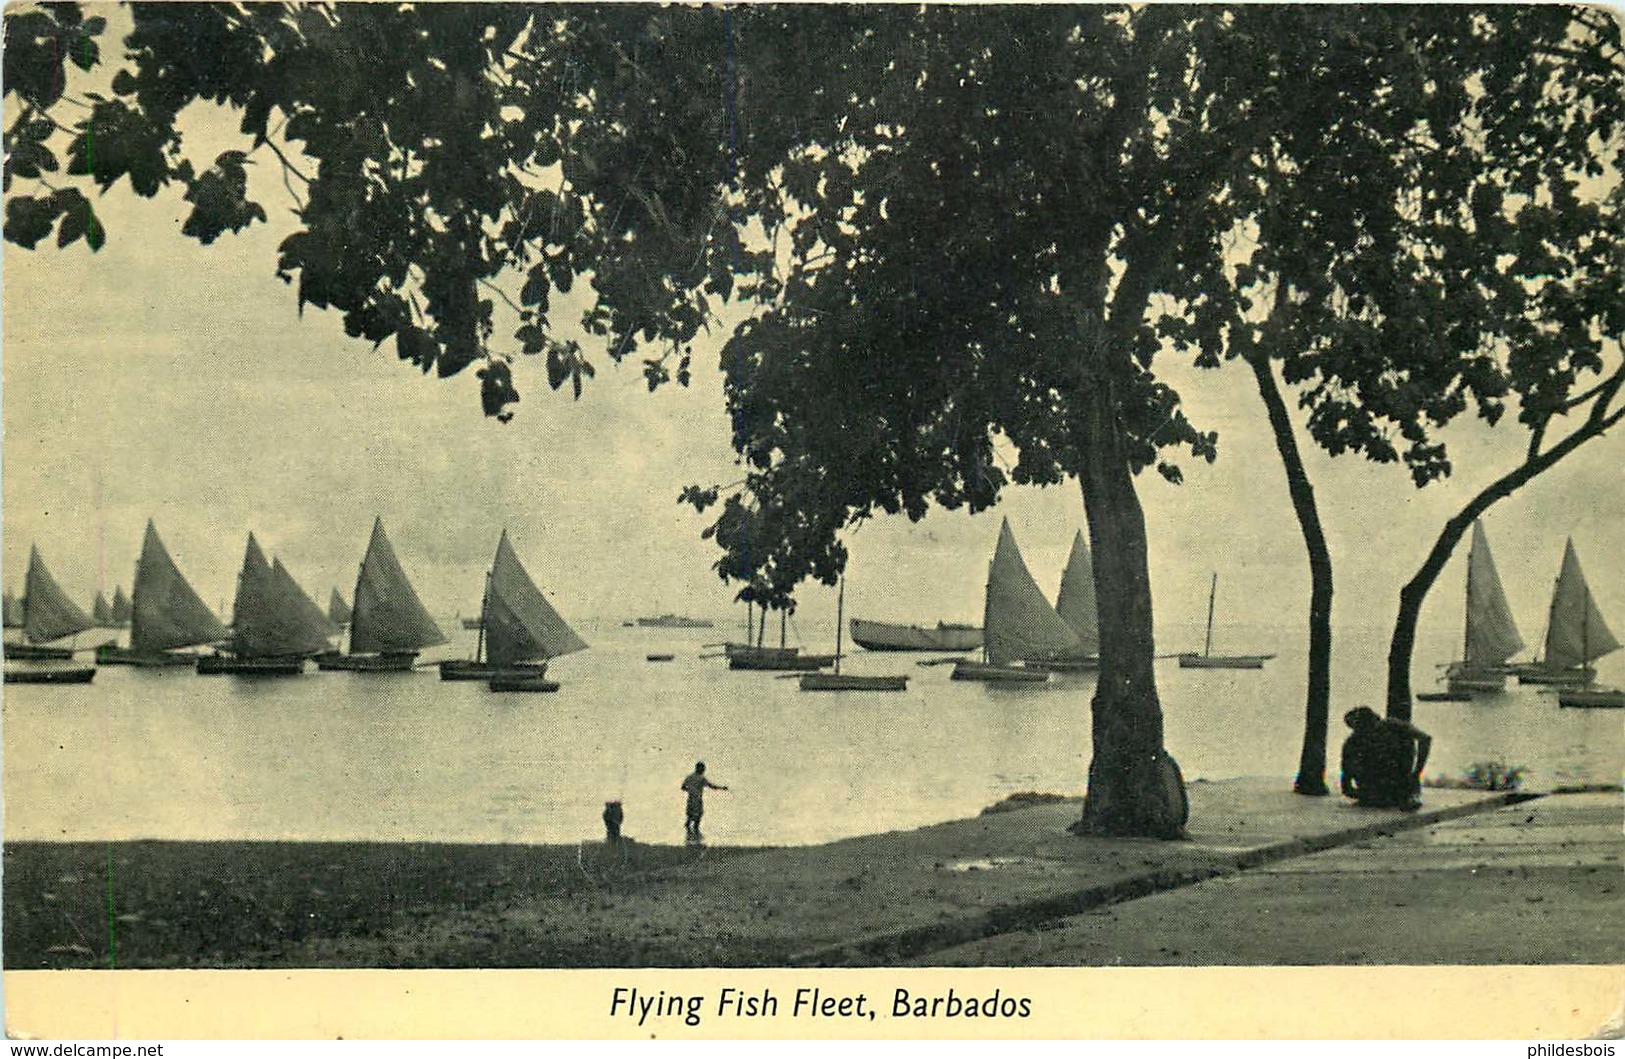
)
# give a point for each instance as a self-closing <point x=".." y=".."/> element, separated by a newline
<point x="160" y="379"/>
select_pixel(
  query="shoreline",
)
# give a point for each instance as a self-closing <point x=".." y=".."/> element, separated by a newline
<point x="959" y="891"/>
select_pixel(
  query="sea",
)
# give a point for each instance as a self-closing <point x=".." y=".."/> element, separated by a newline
<point x="166" y="754"/>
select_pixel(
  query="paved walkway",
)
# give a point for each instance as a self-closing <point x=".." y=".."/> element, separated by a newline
<point x="1538" y="882"/>
<point x="884" y="899"/>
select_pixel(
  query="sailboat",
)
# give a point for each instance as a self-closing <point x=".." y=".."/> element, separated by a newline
<point x="165" y="614"/>
<point x="101" y="613"/>
<point x="13" y="611"/>
<point x="48" y="614"/>
<point x="519" y="631"/>
<point x="838" y="681"/>
<point x="1207" y="659"/>
<point x="1017" y="622"/>
<point x="122" y="608"/>
<point x="1576" y="635"/>
<point x="389" y="624"/>
<point x="275" y="626"/>
<point x="759" y="656"/>
<point x="1491" y="635"/>
<point x="1075" y="603"/>
<point x="338" y="611"/>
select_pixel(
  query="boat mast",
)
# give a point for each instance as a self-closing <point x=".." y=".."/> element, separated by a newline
<point x="479" y="640"/>
<point x="1213" y="590"/>
<point x="1467" y="619"/>
<point x="784" y="616"/>
<point x="840" y="608"/>
<point x="355" y="597"/>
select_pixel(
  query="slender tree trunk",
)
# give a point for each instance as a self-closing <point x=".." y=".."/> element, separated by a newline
<point x="1135" y="786"/>
<point x="1403" y="643"/>
<point x="1312" y="760"/>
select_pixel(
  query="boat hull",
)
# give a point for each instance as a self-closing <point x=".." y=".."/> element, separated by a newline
<point x="1444" y="696"/>
<point x="1223" y="661"/>
<point x="659" y="658"/>
<point x="845" y="682"/>
<point x="111" y="655"/>
<point x="778" y="661"/>
<point x="394" y="662"/>
<point x="1070" y="665"/>
<point x="37" y="653"/>
<point x="1464" y="679"/>
<point x="1542" y="675"/>
<point x="216" y="665"/>
<point x="466" y="669"/>
<point x="522" y="682"/>
<point x="77" y="675"/>
<point x="998" y="674"/>
<point x="884" y="636"/>
<point x="1592" y="699"/>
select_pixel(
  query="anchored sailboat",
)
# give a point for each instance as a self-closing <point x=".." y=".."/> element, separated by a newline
<point x="1576" y="635"/>
<point x="1491" y="634"/>
<point x="338" y="611"/>
<point x="519" y="631"/>
<point x="1017" y="622"/>
<point x="166" y="613"/>
<point x="389" y="624"/>
<point x="838" y="681"/>
<point x="275" y="626"/>
<point x="122" y="608"/>
<point x="13" y="611"/>
<point x="759" y="656"/>
<point x="1075" y="603"/>
<point x="1207" y="659"/>
<point x="101" y="613"/>
<point x="48" y="614"/>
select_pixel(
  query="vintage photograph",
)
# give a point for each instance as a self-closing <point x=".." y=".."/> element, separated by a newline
<point x="563" y="486"/>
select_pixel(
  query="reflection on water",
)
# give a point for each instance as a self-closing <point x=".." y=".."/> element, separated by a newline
<point x="167" y="754"/>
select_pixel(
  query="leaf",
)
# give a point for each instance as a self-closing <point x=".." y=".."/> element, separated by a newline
<point x="72" y="227"/>
<point x="29" y="219"/>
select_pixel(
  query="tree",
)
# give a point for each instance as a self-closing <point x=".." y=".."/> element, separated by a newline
<point x="1437" y="239"/>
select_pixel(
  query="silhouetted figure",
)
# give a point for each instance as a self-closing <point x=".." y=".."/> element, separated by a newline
<point x="1383" y="760"/>
<point x="695" y="784"/>
<point x="612" y="821"/>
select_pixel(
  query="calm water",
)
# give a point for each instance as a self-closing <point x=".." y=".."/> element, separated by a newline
<point x="154" y="754"/>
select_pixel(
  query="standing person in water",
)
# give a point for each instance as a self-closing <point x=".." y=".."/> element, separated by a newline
<point x="1383" y="760"/>
<point x="694" y="784"/>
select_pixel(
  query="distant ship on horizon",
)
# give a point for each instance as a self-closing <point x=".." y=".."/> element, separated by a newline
<point x="673" y="621"/>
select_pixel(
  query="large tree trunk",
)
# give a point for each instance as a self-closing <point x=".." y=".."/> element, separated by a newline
<point x="1135" y="786"/>
<point x="1312" y="760"/>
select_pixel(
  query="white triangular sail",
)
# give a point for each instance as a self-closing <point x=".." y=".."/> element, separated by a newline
<point x="338" y="611"/>
<point x="122" y="607"/>
<point x="166" y="612"/>
<point x="1576" y="635"/>
<point x="1076" y="601"/>
<point x="1018" y="622"/>
<point x="520" y="625"/>
<point x="272" y="616"/>
<point x="1492" y="634"/>
<point x="48" y="613"/>
<point x="303" y="612"/>
<point x="388" y="616"/>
